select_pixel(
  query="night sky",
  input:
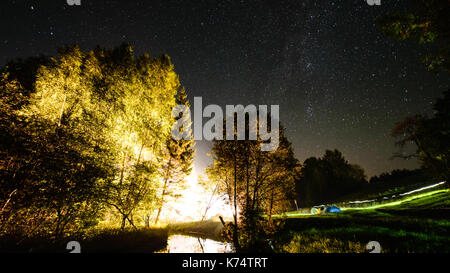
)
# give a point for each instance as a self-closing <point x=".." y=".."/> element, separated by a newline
<point x="339" y="82"/>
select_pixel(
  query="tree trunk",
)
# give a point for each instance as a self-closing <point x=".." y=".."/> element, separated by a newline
<point x="431" y="160"/>
<point x="164" y="191"/>
<point x="235" y="233"/>
<point x="62" y="111"/>
<point x="140" y="154"/>
<point x="130" y="220"/>
<point x="123" y="167"/>
<point x="271" y="206"/>
<point x="255" y="188"/>
<point x="210" y="201"/>
<point x="162" y="202"/>
<point x="124" y="219"/>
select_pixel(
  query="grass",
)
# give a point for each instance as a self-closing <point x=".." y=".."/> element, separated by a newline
<point x="146" y="240"/>
<point x="414" y="201"/>
<point x="417" y="223"/>
<point x="114" y="240"/>
<point x="379" y="190"/>
<point x="319" y="244"/>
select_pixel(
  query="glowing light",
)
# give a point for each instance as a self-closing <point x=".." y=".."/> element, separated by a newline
<point x="188" y="244"/>
<point x="402" y="194"/>
<point x="395" y="203"/>
<point x="376" y="206"/>
<point x="192" y="204"/>
<point x="363" y="201"/>
<point x="424" y="188"/>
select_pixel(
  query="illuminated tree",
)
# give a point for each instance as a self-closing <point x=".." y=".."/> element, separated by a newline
<point x="58" y="171"/>
<point x="82" y="132"/>
<point x="177" y="161"/>
<point x="144" y="95"/>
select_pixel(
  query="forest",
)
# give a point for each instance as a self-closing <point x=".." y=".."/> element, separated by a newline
<point x="87" y="146"/>
<point x="87" y="154"/>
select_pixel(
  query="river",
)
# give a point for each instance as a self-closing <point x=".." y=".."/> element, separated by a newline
<point x="193" y="244"/>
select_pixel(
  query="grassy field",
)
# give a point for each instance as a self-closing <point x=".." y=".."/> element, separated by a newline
<point x="419" y="223"/>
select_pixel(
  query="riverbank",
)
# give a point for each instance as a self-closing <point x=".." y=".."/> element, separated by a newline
<point x="203" y="229"/>
<point x="146" y="240"/>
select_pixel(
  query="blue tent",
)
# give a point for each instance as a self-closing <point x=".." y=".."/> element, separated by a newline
<point x="332" y="209"/>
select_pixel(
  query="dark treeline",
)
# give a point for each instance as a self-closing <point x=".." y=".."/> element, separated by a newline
<point x="328" y="178"/>
<point x="397" y="175"/>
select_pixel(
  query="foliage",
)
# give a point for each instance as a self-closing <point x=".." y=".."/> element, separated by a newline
<point x="52" y="177"/>
<point x="81" y="133"/>
<point x="177" y="160"/>
<point x="431" y="137"/>
<point x="326" y="179"/>
<point x="319" y="244"/>
<point x="428" y="23"/>
<point x="395" y="175"/>
<point x="254" y="183"/>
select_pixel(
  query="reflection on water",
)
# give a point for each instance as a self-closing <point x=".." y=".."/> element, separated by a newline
<point x="190" y="244"/>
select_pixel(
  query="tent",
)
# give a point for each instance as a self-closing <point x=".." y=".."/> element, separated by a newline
<point x="332" y="209"/>
<point x="324" y="209"/>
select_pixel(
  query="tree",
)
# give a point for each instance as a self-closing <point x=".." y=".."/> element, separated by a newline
<point x="57" y="172"/>
<point x="255" y="183"/>
<point x="431" y="136"/>
<point x="177" y="162"/>
<point x="427" y="24"/>
<point x="328" y="178"/>
<point x="81" y="133"/>
<point x="142" y="91"/>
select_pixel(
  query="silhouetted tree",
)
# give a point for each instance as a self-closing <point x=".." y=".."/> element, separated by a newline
<point x="328" y="178"/>
<point x="427" y="23"/>
<point x="255" y="183"/>
<point x="431" y="137"/>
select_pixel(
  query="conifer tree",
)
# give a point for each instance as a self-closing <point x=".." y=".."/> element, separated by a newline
<point x="179" y="155"/>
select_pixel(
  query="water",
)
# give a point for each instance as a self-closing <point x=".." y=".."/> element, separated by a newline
<point x="192" y="244"/>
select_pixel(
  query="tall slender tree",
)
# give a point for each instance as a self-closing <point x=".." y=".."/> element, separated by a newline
<point x="178" y="158"/>
<point x="255" y="182"/>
